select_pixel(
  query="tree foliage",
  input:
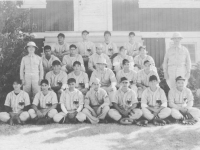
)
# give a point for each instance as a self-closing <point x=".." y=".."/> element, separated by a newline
<point x="15" y="33"/>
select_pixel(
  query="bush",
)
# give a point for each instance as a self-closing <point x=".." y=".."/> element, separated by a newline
<point x="13" y="38"/>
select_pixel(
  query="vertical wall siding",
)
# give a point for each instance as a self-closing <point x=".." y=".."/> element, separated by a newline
<point x="128" y="16"/>
<point x="58" y="16"/>
<point x="156" y="49"/>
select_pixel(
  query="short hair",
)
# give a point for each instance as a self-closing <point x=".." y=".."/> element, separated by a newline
<point x="18" y="81"/>
<point x="121" y="47"/>
<point x="125" y="61"/>
<point x="180" y="78"/>
<point x="61" y="34"/>
<point x="142" y="47"/>
<point x="71" y="80"/>
<point x="47" y="47"/>
<point x="124" y="79"/>
<point x="85" y="31"/>
<point x="146" y="61"/>
<point x="131" y="33"/>
<point x="44" y="81"/>
<point x="56" y="63"/>
<point x="152" y="78"/>
<point x="107" y="32"/>
<point x="76" y="63"/>
<point x="72" y="45"/>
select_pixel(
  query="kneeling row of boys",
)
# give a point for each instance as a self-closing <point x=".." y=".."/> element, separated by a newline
<point x="96" y="107"/>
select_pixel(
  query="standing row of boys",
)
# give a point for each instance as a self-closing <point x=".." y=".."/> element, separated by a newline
<point x="122" y="86"/>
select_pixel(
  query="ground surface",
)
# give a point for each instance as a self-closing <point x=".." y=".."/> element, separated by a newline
<point x="99" y="137"/>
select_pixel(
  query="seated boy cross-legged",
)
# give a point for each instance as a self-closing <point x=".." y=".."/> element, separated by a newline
<point x="16" y="105"/>
<point x="71" y="101"/>
<point x="181" y="102"/>
<point x="44" y="105"/>
<point x="125" y="103"/>
<point x="96" y="103"/>
<point x="152" y="97"/>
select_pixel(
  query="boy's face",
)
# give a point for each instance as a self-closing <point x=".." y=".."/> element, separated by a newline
<point x="85" y="36"/>
<point x="61" y="39"/>
<point x="180" y="84"/>
<point x="31" y="49"/>
<point x="72" y="85"/>
<point x="101" y="66"/>
<point x="96" y="86"/>
<point x="56" y="68"/>
<point x="153" y="83"/>
<point x="143" y="51"/>
<point x="16" y="86"/>
<point x="126" y="65"/>
<point x="47" y="52"/>
<point x="123" y="51"/>
<point x="131" y="37"/>
<point x="77" y="67"/>
<point x="44" y="87"/>
<point x="107" y="37"/>
<point x="99" y="50"/>
<point x="147" y="65"/>
<point x="73" y="51"/>
<point x="125" y="84"/>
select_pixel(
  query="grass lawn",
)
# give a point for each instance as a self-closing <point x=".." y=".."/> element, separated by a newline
<point x="99" y="137"/>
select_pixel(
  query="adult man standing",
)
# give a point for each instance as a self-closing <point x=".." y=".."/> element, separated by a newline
<point x="47" y="59"/>
<point x="96" y="56"/>
<point x="125" y="103"/>
<point x="106" y="76"/>
<point x="31" y="70"/>
<point x="96" y="103"/>
<point x="181" y="102"/>
<point x="86" y="48"/>
<point x="109" y="48"/>
<point x="177" y="62"/>
<point x="132" y="46"/>
<point x="150" y="96"/>
<point x="61" y="48"/>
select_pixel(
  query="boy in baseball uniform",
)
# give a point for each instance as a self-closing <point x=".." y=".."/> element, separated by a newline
<point x="131" y="75"/>
<point x="92" y="65"/>
<point x="71" y="102"/>
<point x="181" y="101"/>
<point x="82" y="81"/>
<point x="16" y="106"/>
<point x="142" y="57"/>
<point x="48" y="59"/>
<point x="44" y="104"/>
<point x="68" y="60"/>
<point x="125" y="103"/>
<point x="61" y="48"/>
<point x="117" y="61"/>
<point x="150" y="97"/>
<point x="96" y="103"/>
<point x="57" y="78"/>
<point x="106" y="76"/>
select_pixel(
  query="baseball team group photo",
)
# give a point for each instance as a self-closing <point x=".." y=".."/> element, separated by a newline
<point x="88" y="77"/>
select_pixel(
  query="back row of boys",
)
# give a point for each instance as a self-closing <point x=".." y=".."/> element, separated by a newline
<point x="78" y="102"/>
